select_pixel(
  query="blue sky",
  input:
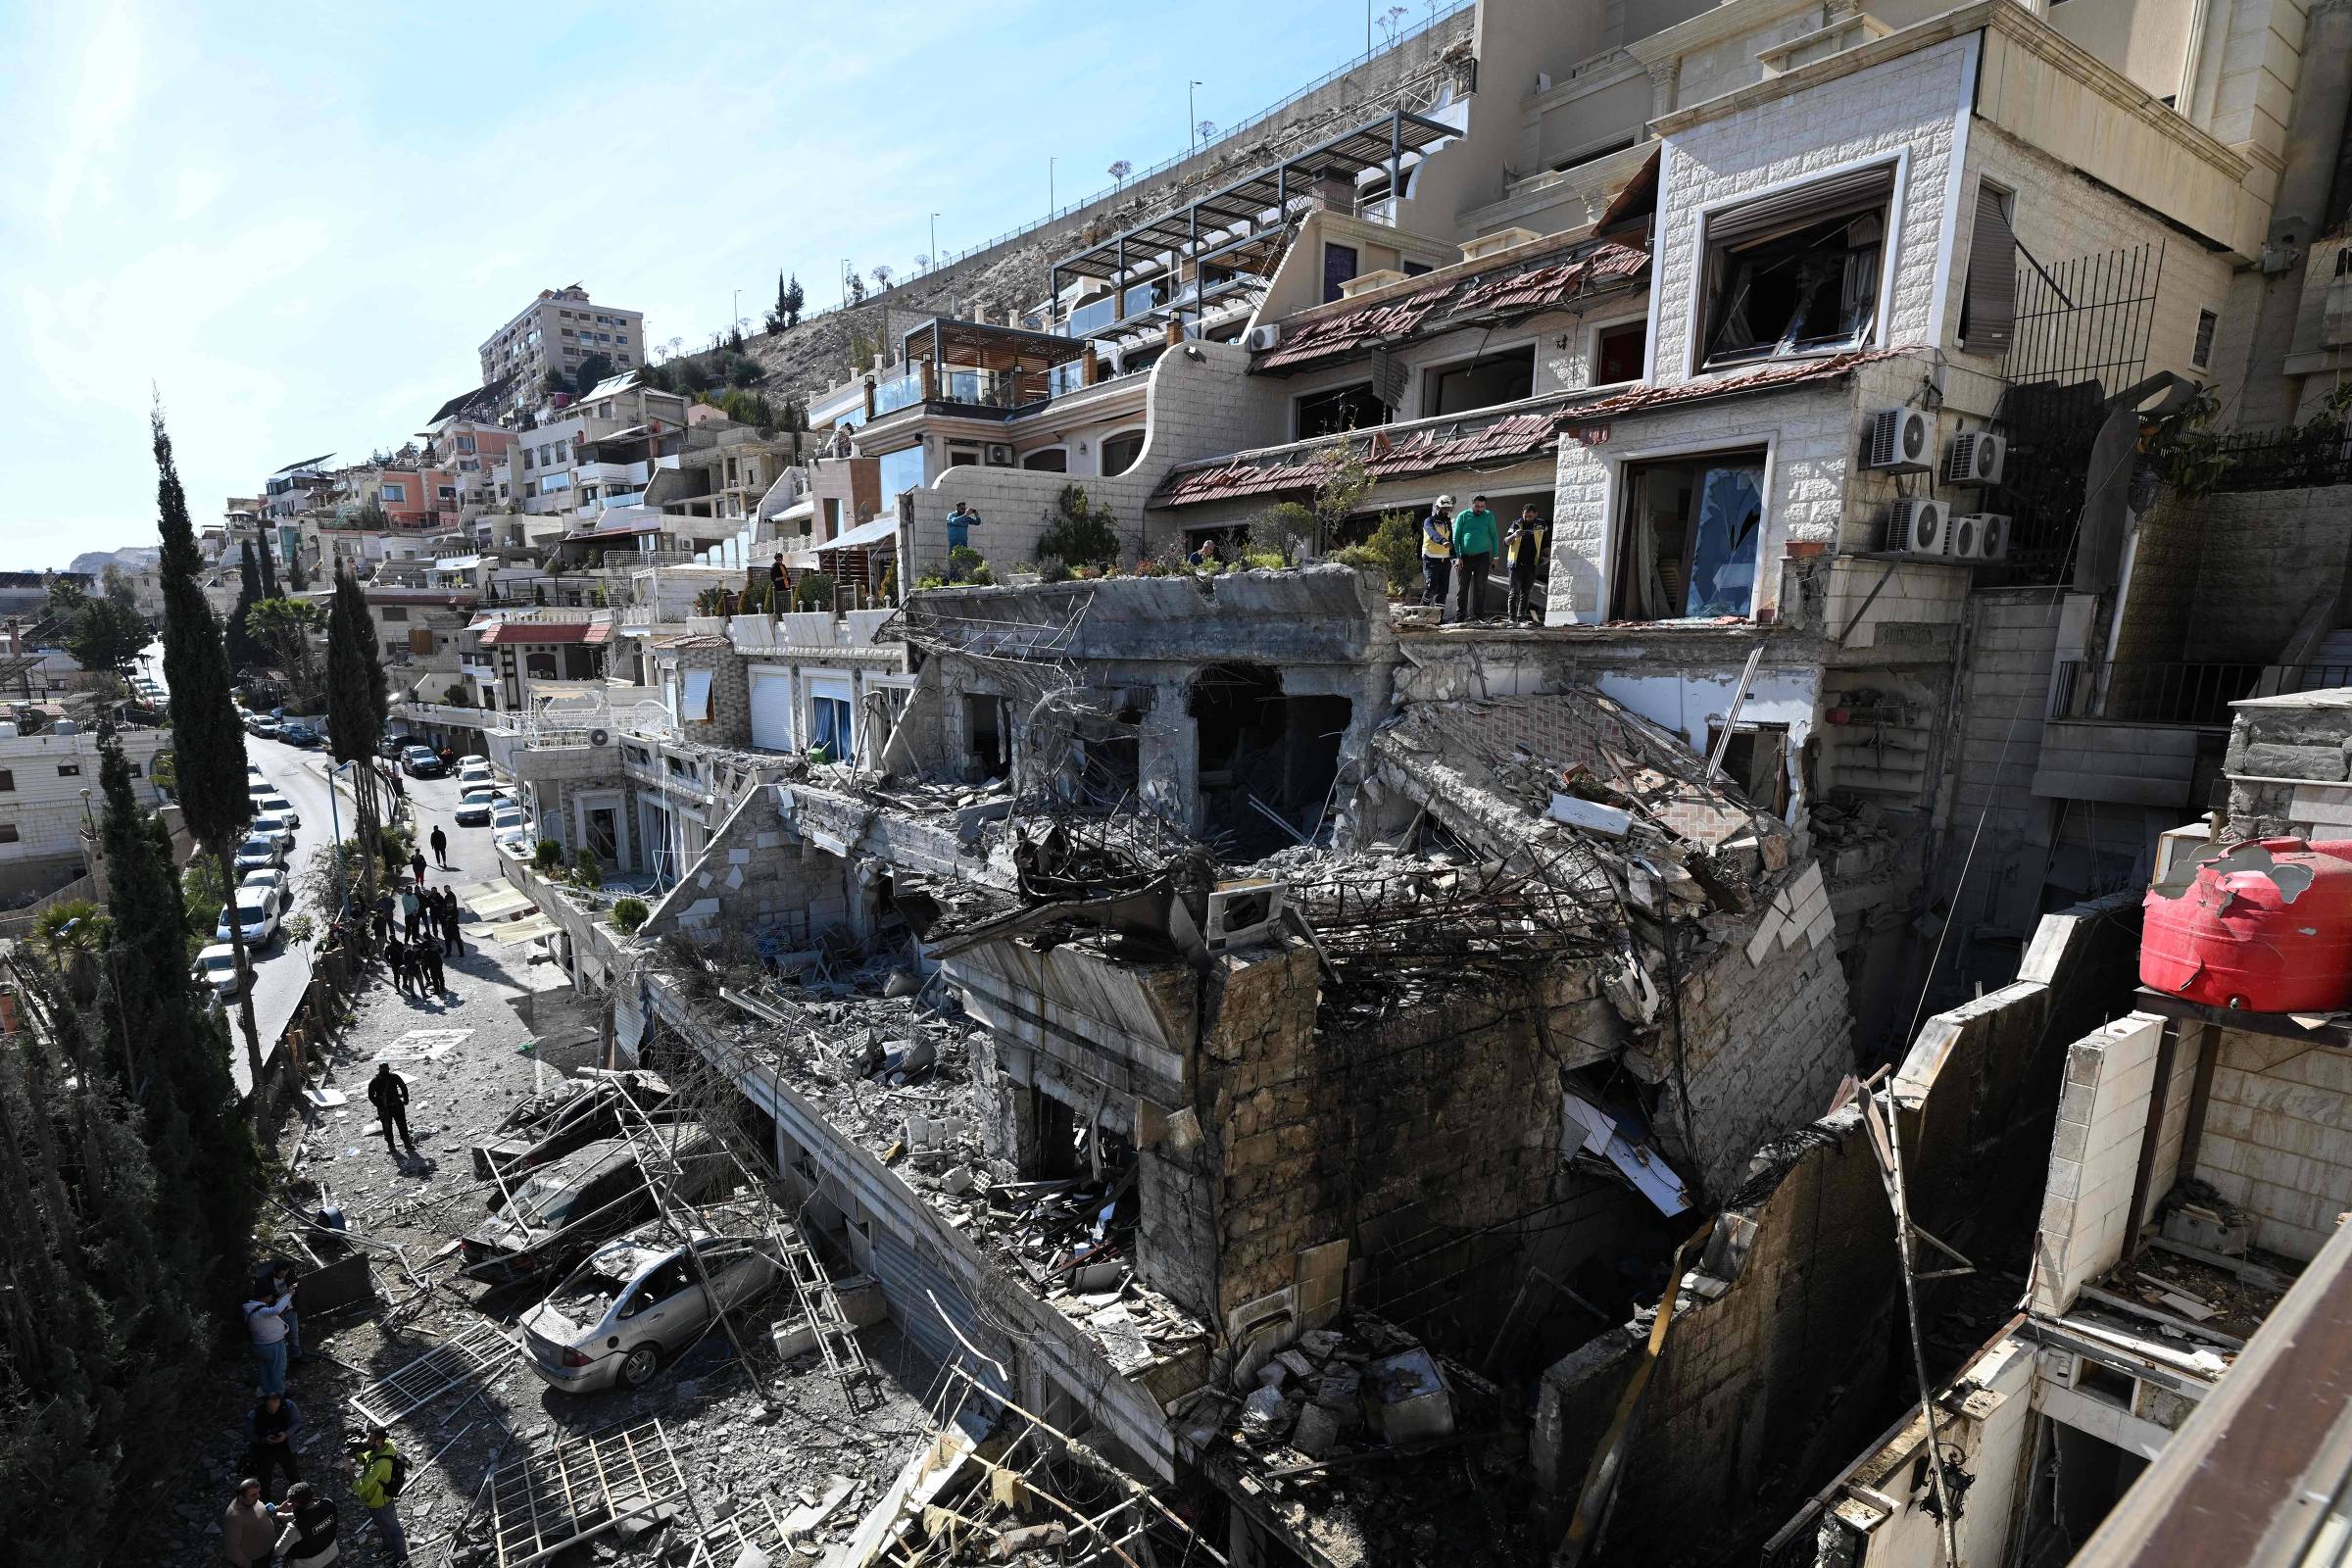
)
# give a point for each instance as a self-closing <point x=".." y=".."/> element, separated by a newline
<point x="297" y="221"/>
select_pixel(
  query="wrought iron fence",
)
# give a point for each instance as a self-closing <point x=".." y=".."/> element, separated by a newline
<point x="2294" y="459"/>
<point x="2190" y="694"/>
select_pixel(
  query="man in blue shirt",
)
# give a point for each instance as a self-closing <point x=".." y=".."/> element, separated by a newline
<point x="960" y="526"/>
<point x="1474" y="540"/>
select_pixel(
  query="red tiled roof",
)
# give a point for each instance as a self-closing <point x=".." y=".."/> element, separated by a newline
<point x="545" y="631"/>
<point x="1516" y="288"/>
<point x="1762" y="378"/>
<point x="1521" y="435"/>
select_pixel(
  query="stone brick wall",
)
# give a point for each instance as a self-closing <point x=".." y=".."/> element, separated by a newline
<point x="730" y="720"/>
<point x="1810" y="431"/>
<point x="1769" y="1383"/>
<point x="2277" y="1137"/>
<point x="2266" y="560"/>
<point x="2281" y="739"/>
<point x="756" y="875"/>
<point x="2094" y="1160"/>
<point x="2004" y="696"/>
<point x="1907" y="103"/>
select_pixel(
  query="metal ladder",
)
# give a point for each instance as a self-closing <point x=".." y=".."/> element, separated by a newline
<point x="836" y="1337"/>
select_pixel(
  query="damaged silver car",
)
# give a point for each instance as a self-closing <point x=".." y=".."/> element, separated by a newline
<point x="638" y="1302"/>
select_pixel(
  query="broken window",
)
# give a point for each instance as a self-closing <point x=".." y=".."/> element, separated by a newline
<point x="1689" y="537"/>
<point x="1619" y="352"/>
<point x="1346" y="408"/>
<point x="1756" y="764"/>
<point x="1120" y="450"/>
<point x="1482" y="384"/>
<point x="1797" y="273"/>
<point x="1989" y="301"/>
<point x="1266" y="760"/>
<point x="987" y="731"/>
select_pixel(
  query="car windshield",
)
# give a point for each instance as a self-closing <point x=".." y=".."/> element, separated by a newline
<point x="220" y="963"/>
<point x="256" y="847"/>
<point x="589" y="1294"/>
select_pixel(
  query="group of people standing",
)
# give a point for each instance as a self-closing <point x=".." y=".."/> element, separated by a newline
<point x="1460" y="546"/>
<point x="415" y="929"/>
<point x="301" y="1530"/>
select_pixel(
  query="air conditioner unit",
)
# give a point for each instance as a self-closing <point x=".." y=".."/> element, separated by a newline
<point x="1000" y="455"/>
<point x="1262" y="338"/>
<point x="1988" y="536"/>
<point x="1918" y="526"/>
<point x="1976" y="457"/>
<point x="1899" y="441"/>
<point x="600" y="737"/>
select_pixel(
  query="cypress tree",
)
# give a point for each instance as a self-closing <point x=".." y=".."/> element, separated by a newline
<point x="208" y="744"/>
<point x="269" y="573"/>
<point x="204" y="1160"/>
<point x="358" y="706"/>
<point x="243" y="651"/>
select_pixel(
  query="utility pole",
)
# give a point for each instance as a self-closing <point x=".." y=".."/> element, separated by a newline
<point x="736" y="315"/>
<point x="1192" y="116"/>
<point x="934" y="239"/>
<point x="1050" y="207"/>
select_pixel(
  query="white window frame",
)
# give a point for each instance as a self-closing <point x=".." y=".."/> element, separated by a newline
<point x="1593" y="333"/>
<point x="1612" y="502"/>
<point x="1108" y="436"/>
<point x="1693" y="309"/>
<point x="831" y="689"/>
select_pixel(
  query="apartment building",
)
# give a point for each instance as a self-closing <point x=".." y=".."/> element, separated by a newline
<point x="46" y="784"/>
<point x="555" y="333"/>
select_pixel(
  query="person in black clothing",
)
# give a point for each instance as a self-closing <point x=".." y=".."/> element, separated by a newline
<point x="310" y="1536"/>
<point x="389" y="1093"/>
<point x="396" y="960"/>
<point x="416" y="864"/>
<point x="269" y="1427"/>
<point x="451" y="921"/>
<point x="440" y="843"/>
<point x="384" y="916"/>
<point x="429" y="958"/>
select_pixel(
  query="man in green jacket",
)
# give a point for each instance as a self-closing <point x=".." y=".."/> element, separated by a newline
<point x="1474" y="540"/>
<point x="371" y="1479"/>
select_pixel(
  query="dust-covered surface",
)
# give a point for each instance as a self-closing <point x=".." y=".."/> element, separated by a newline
<point x="466" y="1070"/>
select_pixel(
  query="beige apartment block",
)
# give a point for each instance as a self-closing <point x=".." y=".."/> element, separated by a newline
<point x="557" y="332"/>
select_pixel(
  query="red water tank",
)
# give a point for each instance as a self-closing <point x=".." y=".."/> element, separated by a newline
<point x="2264" y="926"/>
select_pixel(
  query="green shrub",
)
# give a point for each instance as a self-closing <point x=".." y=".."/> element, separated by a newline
<point x="88" y="926"/>
<point x="587" y="871"/>
<point x="1078" y="534"/>
<point x="1278" y="531"/>
<point x="548" y="856"/>
<point x="629" y="913"/>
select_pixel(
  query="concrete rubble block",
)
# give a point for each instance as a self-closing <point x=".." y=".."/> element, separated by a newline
<point x="861" y="1300"/>
<point x="1412" y="1398"/>
<point x="2293" y="761"/>
<point x="1317" y="1432"/>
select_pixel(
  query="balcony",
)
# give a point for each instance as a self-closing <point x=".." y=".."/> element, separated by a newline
<point x="2137" y="733"/>
<point x="625" y="473"/>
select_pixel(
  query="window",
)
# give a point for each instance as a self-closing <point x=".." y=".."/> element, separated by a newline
<point x="900" y="471"/>
<point x="395" y="494"/>
<point x="1120" y="450"/>
<point x="1052" y="459"/>
<point x="1346" y="408"/>
<point x="1796" y="273"/>
<point x="1339" y="266"/>
<point x="68" y="770"/>
<point x="1618" y="352"/>
<point x="393" y="613"/>
<point x="1416" y="269"/>
<point x="8" y="832"/>
<point x="136" y="771"/>
<point x="829" y="726"/>
<point x="465" y="445"/>
<point x="1988" y="300"/>
<point x="1482" y="384"/>
<point x="528" y="459"/>
<point x="1687" y="534"/>
<point x="2201" y="354"/>
<point x="695" y="707"/>
<point x="832" y="517"/>
<point x="8" y="781"/>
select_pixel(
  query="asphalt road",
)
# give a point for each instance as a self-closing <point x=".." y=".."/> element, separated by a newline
<point x="283" y="972"/>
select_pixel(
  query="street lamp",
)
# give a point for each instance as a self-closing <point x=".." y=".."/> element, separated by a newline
<point x="1192" y="118"/>
<point x="934" y="239"/>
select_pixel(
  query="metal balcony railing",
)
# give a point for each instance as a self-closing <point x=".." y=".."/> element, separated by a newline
<point x="2188" y="694"/>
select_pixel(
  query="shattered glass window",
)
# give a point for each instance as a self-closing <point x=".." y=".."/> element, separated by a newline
<point x="1723" y="543"/>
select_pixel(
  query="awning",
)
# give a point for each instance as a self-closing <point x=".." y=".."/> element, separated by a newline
<point x="496" y="904"/>
<point x="532" y="930"/>
<point x="865" y="536"/>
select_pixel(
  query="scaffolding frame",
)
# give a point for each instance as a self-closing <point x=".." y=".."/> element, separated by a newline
<point x="572" y="1491"/>
<point x="448" y="1366"/>
<point x="813" y="1287"/>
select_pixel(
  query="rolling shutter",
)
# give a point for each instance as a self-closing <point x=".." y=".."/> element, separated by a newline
<point x="1988" y="309"/>
<point x="1813" y="203"/>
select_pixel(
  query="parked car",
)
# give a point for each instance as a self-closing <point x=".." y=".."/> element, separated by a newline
<point x="569" y="1113"/>
<point x="637" y="1302"/>
<point x="260" y="850"/>
<point x="270" y="877"/>
<point x="261" y="724"/>
<point x="391" y="746"/>
<point x="475" y="773"/>
<point x="475" y="804"/>
<point x="258" y="913"/>
<point x="279" y="805"/>
<point x="565" y="1207"/>
<point x="420" y="761"/>
<point x="217" y="967"/>
<point x="298" y="732"/>
<point x="506" y="821"/>
<point x="278" y="825"/>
